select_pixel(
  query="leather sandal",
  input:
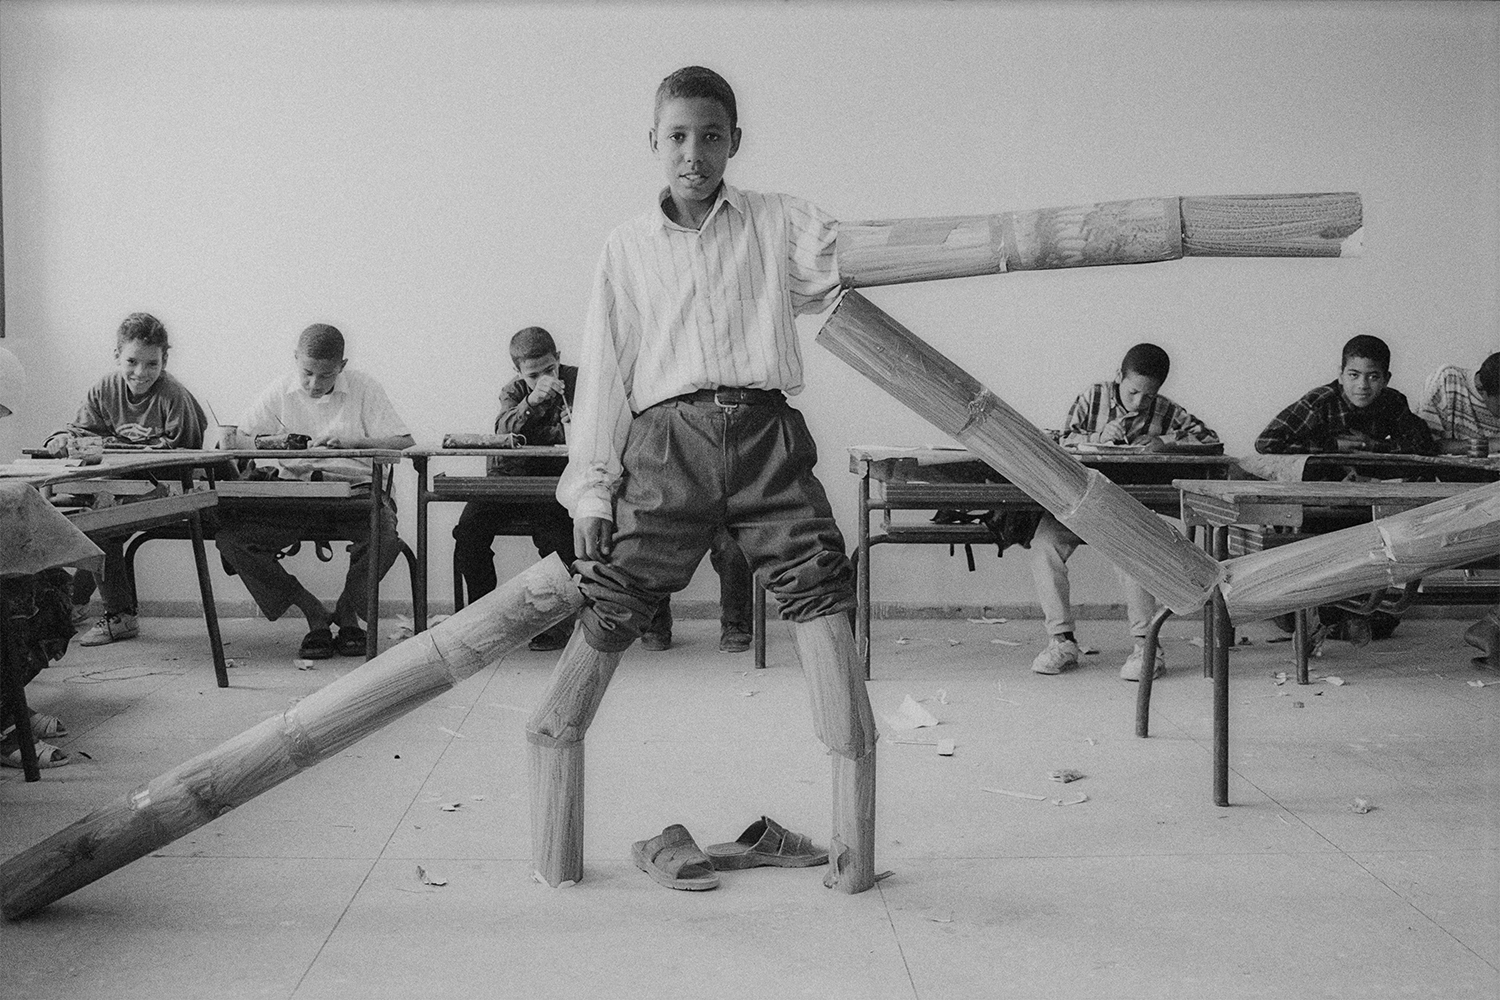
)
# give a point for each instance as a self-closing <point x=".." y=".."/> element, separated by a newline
<point x="673" y="859"/>
<point x="767" y="842"/>
<point x="317" y="645"/>
<point x="352" y="641"/>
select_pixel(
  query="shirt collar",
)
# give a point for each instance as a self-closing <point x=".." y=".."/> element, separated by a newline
<point x="727" y="195"/>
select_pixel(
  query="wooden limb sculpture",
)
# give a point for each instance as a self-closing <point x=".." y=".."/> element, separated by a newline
<point x="320" y="725"/>
<point x="554" y="748"/>
<point x="1144" y="230"/>
<point x="1387" y="552"/>
<point x="843" y="721"/>
<point x="1177" y="573"/>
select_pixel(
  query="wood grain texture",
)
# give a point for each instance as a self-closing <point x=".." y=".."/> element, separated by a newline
<point x="1125" y="531"/>
<point x="322" y="724"/>
<point x="1137" y="231"/>
<point x="1387" y="552"/>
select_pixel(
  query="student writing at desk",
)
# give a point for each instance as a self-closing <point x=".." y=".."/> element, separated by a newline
<point x="1129" y="410"/>
<point x="1461" y="407"/>
<point x="335" y="407"/>
<point x="1356" y="412"/>
<point x="139" y="403"/>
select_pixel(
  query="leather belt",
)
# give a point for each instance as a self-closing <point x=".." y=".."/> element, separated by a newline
<point x="729" y="397"/>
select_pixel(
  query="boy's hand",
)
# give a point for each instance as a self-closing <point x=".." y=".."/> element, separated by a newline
<point x="592" y="538"/>
<point x="1355" y="441"/>
<point x="1154" y="443"/>
<point x="57" y="446"/>
<point x="546" y="387"/>
<point x="1113" y="433"/>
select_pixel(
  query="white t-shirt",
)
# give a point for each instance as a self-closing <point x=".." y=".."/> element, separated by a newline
<point x="356" y="407"/>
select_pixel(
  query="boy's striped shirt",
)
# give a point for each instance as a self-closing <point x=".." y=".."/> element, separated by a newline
<point x="1454" y="409"/>
<point x="675" y="310"/>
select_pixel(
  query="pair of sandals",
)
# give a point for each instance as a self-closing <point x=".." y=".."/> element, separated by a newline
<point x="673" y="858"/>
<point x="47" y="755"/>
<point x="321" y="644"/>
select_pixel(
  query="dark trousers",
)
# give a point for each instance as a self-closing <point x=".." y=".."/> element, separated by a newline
<point x="736" y="599"/>
<point x="252" y="545"/>
<point x="692" y="468"/>
<point x="474" y="538"/>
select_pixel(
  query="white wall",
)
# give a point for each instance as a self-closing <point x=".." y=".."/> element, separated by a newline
<point x="431" y="177"/>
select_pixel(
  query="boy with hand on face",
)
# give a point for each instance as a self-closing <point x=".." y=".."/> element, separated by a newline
<point x="139" y="403"/>
<point x="536" y="404"/>
<point x="334" y="407"/>
<point x="1129" y="410"/>
<point x="1358" y="411"/>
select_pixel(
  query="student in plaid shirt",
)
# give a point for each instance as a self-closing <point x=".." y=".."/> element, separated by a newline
<point x="1129" y="410"/>
<point x="1358" y="411"/>
<point x="1458" y="408"/>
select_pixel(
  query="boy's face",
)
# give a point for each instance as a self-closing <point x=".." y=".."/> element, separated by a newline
<point x="1362" y="381"/>
<point x="317" y="375"/>
<point x="1137" y="391"/>
<point x="140" y="365"/>
<point x="532" y="369"/>
<point x="693" y="141"/>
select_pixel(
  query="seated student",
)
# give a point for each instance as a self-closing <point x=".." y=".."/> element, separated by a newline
<point x="1460" y="407"/>
<point x="336" y="408"/>
<point x="736" y="607"/>
<point x="139" y="403"/>
<point x="536" y="404"/>
<point x="1358" y="411"/>
<point x="1129" y="410"/>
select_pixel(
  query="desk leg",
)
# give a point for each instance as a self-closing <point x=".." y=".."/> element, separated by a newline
<point x="1301" y="639"/>
<point x="372" y="611"/>
<point x="13" y="695"/>
<point x="1218" y="547"/>
<point x="862" y="576"/>
<point x="1221" y="699"/>
<point x="758" y="617"/>
<point x="1148" y="672"/>
<point x="419" y="599"/>
<point x="206" y="593"/>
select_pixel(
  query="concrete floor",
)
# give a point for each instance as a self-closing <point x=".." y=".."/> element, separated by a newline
<point x="1145" y="890"/>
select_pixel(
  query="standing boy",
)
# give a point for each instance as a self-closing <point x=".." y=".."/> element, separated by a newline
<point x="335" y="408"/>
<point x="1129" y="410"/>
<point x="139" y="403"/>
<point x="536" y="404"/>
<point x="1358" y="411"/>
<point x="681" y="428"/>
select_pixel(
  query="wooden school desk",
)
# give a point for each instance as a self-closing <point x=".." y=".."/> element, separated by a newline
<point x="1218" y="505"/>
<point x="118" y="476"/>
<point x="930" y="479"/>
<point x="505" y="489"/>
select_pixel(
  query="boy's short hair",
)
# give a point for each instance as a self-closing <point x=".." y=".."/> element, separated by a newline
<point x="321" y="342"/>
<point x="698" y="81"/>
<point x="1148" y="360"/>
<point x="531" y="342"/>
<point x="1488" y="377"/>
<point x="142" y="327"/>
<point x="1369" y="347"/>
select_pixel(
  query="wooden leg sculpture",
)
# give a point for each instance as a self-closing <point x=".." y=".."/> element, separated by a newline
<point x="843" y="721"/>
<point x="554" y="738"/>
<point x="320" y="725"/>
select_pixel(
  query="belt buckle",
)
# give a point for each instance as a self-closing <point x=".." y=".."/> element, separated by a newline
<point x="720" y="403"/>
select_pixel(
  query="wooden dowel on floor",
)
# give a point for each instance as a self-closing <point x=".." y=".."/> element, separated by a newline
<point x="1177" y="573"/>
<point x="320" y="725"/>
<point x="1387" y="552"/>
<point x="1139" y="231"/>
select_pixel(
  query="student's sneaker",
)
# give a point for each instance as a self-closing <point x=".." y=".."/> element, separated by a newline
<point x="1060" y="655"/>
<point x="1131" y="671"/>
<point x="111" y="628"/>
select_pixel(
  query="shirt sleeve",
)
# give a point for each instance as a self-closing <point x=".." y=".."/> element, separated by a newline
<point x="1413" y="436"/>
<point x="812" y="271"/>
<point x="1440" y="394"/>
<point x="183" y="421"/>
<point x="1296" y="430"/>
<point x="93" y="417"/>
<point x="262" y="416"/>
<point x="1078" y="427"/>
<point x="1186" y="427"/>
<point x="518" y="416"/>
<point x="379" y="417"/>
<point x="601" y="405"/>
